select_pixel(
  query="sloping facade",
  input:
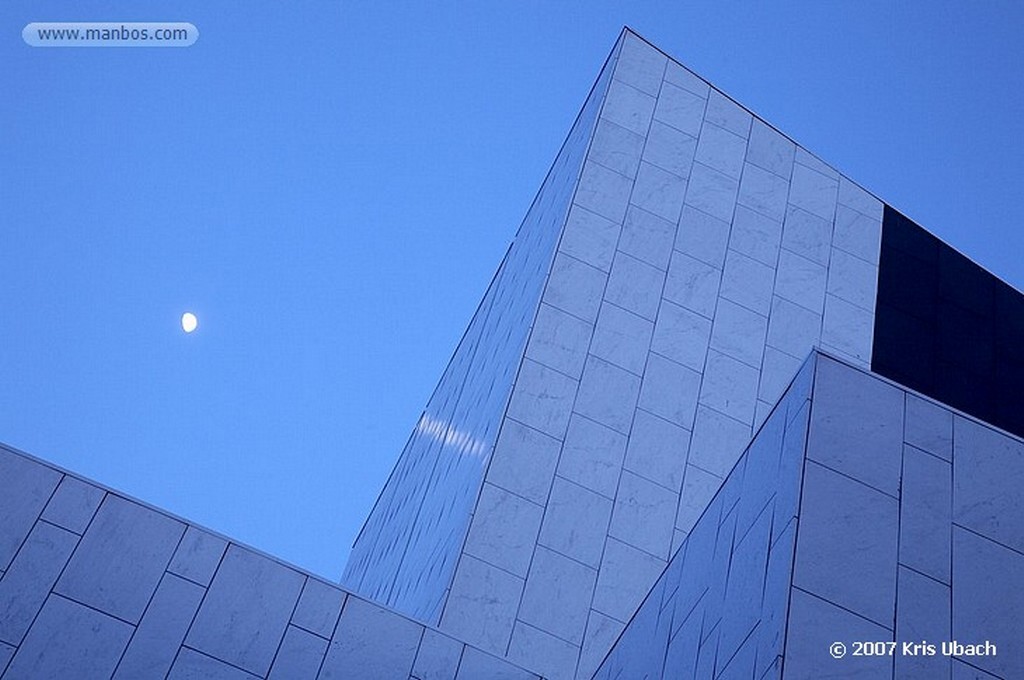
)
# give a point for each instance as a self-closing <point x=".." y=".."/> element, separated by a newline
<point x="861" y="512"/>
<point x="701" y="256"/>
<point x="96" y="585"/>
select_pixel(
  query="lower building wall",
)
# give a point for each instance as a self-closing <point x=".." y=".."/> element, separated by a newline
<point x="97" y="585"/>
<point x="906" y="533"/>
<point x="719" y="609"/>
<point x="865" y="532"/>
<point x="911" y="531"/>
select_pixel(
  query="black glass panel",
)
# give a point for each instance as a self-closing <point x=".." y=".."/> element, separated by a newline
<point x="947" y="328"/>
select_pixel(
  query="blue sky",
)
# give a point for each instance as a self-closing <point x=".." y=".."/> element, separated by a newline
<point x="330" y="186"/>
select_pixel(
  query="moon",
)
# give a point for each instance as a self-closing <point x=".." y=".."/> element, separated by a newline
<point x="189" y="322"/>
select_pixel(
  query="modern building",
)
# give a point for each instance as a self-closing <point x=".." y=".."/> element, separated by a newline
<point x="720" y="409"/>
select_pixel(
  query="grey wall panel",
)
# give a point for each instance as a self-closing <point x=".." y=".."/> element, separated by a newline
<point x="507" y="544"/>
<point x="524" y="461"/>
<point x="924" y="606"/>
<point x="926" y="513"/>
<point x="437" y="658"/>
<point x="987" y="601"/>
<point x="69" y="640"/>
<point x="299" y="657"/>
<point x="483" y="605"/>
<point x="120" y="560"/>
<point x="159" y="635"/>
<point x="477" y="664"/>
<point x="192" y="665"/>
<point x="548" y="655"/>
<point x="988" y="473"/>
<point x="319" y="607"/>
<point x="814" y="625"/>
<point x="857" y="415"/>
<point x="371" y="642"/>
<point x="838" y="510"/>
<point x="25" y="488"/>
<point x="25" y="586"/>
<point x="562" y="533"/>
<point x="929" y="427"/>
<point x="965" y="671"/>
<point x="244" y="615"/>
<point x="73" y="504"/>
<point x="557" y="599"/>
<point x="198" y="556"/>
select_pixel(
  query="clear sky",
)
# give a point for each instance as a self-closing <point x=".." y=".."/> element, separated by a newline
<point x="329" y="187"/>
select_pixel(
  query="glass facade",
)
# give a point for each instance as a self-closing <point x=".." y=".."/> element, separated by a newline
<point x="947" y="327"/>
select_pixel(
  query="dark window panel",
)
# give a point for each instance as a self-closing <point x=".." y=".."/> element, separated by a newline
<point x="905" y="236"/>
<point x="1006" y="394"/>
<point x="966" y="339"/>
<point x="947" y="328"/>
<point x="965" y="284"/>
<point x="911" y="285"/>
<point x="906" y="350"/>
<point x="963" y="388"/>
<point x="1009" y="314"/>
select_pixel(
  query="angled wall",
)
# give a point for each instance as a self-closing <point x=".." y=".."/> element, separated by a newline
<point x="719" y="609"/>
<point x="911" y="529"/>
<point x="703" y="257"/>
<point x="888" y="517"/>
<point x="407" y="549"/>
<point x="94" y="585"/>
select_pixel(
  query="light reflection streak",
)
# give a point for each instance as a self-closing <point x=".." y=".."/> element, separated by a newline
<point x="448" y="435"/>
